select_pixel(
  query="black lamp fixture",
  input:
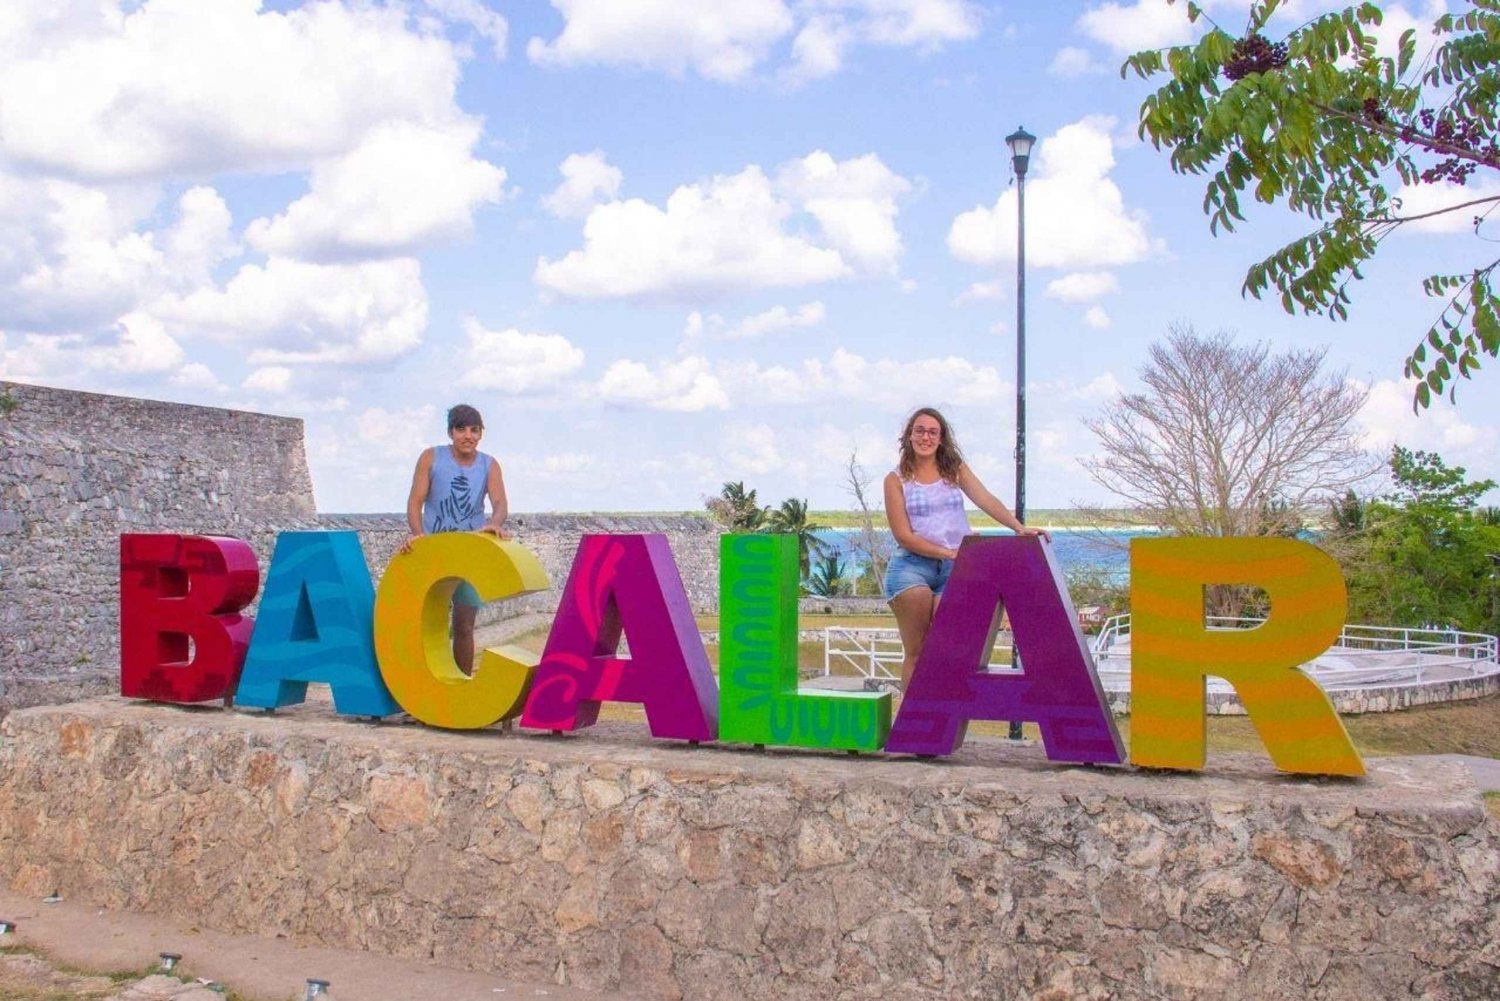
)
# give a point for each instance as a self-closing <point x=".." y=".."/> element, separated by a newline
<point x="1020" y="142"/>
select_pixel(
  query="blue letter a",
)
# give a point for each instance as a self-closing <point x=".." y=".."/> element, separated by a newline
<point x="316" y="623"/>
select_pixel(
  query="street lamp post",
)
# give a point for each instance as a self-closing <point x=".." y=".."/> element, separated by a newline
<point x="1020" y="143"/>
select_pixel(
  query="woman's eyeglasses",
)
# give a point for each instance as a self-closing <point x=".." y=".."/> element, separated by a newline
<point x="926" y="432"/>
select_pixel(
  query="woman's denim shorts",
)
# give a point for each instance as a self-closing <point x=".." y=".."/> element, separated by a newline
<point x="907" y="570"/>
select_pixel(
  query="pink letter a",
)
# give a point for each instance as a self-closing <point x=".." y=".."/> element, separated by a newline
<point x="629" y="584"/>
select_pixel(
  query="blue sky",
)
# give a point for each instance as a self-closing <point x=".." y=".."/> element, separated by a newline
<point x="659" y="245"/>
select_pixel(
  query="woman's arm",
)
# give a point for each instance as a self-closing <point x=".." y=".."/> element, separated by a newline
<point x="499" y="507"/>
<point x="990" y="504"/>
<point x="895" y="516"/>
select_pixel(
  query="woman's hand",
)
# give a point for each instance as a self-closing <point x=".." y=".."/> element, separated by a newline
<point x="1028" y="530"/>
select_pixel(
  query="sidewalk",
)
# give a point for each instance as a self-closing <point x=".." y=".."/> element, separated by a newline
<point x="262" y="969"/>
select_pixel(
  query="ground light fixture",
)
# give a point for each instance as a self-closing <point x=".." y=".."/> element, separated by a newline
<point x="315" y="989"/>
<point x="169" y="961"/>
<point x="7" y="927"/>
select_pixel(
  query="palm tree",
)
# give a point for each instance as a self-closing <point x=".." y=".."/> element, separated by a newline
<point x="736" y="508"/>
<point x="791" y="519"/>
<point x="828" y="578"/>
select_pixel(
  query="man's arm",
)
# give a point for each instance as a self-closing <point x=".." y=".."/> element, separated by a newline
<point x="421" y="481"/>
<point x="499" y="507"/>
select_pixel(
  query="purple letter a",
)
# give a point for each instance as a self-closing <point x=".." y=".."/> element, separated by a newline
<point x="1057" y="688"/>
<point x="629" y="584"/>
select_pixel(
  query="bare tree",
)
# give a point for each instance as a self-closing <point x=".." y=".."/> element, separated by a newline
<point x="874" y="548"/>
<point x="1231" y="440"/>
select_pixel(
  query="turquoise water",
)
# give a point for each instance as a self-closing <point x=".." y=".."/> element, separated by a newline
<point x="1090" y="549"/>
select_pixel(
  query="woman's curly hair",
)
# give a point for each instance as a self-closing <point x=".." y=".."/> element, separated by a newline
<point x="950" y="458"/>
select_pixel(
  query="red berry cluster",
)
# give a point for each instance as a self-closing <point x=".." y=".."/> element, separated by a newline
<point x="1255" y="55"/>
<point x="1445" y="132"/>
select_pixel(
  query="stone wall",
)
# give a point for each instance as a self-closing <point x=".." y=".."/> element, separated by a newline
<point x="78" y="469"/>
<point x="553" y="538"/>
<point x="609" y="861"/>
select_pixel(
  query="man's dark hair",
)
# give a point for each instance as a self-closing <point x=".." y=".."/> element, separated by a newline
<point x="464" y="416"/>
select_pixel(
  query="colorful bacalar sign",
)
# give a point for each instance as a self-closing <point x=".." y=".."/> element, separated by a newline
<point x="183" y="640"/>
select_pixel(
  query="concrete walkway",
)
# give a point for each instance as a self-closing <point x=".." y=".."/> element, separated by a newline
<point x="1486" y="771"/>
<point x="264" y="969"/>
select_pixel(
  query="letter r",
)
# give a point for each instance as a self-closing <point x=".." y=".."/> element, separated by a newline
<point x="1173" y="651"/>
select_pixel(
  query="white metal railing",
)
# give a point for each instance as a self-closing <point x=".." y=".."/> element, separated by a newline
<point x="875" y="653"/>
<point x="1361" y="657"/>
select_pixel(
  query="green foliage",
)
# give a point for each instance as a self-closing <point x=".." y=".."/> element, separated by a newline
<point x="791" y="519"/>
<point x="829" y="577"/>
<point x="8" y="403"/>
<point x="1422" y="555"/>
<point x="736" y="509"/>
<point x="1319" y="121"/>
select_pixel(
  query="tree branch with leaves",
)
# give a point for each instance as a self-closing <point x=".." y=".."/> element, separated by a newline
<point x="1323" y="122"/>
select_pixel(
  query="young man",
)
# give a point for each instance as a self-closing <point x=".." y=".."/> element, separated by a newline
<point x="447" y="495"/>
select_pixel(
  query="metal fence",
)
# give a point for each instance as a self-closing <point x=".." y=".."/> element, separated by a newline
<point x="1362" y="655"/>
<point x="876" y="654"/>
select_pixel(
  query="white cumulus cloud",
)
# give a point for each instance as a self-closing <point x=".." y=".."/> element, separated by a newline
<point x="404" y="187"/>
<point x="1083" y="286"/>
<point x="588" y="179"/>
<point x="739" y="231"/>
<point x="730" y="42"/>
<point x="717" y="41"/>
<point x="295" y="312"/>
<point x="685" y="385"/>
<point x="198" y="86"/>
<point x="517" y="362"/>
<point x="1145" y="24"/>
<point x="1076" y="216"/>
<point x="778" y="318"/>
<point x="276" y="379"/>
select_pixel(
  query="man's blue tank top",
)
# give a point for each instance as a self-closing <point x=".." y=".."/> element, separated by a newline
<point x="455" y="495"/>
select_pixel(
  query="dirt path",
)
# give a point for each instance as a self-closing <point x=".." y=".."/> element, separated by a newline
<point x="72" y="937"/>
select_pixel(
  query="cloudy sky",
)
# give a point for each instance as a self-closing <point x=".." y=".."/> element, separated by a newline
<point x="659" y="244"/>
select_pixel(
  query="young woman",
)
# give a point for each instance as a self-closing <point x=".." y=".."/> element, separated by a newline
<point x="924" y="503"/>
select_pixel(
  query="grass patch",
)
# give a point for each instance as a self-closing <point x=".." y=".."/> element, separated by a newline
<point x="66" y="982"/>
<point x="1492" y="800"/>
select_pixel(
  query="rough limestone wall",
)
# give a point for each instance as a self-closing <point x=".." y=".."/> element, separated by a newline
<point x="554" y="538"/>
<point x="78" y="469"/>
<point x="609" y="861"/>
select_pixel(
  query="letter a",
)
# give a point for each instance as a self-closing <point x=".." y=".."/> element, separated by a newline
<point x="625" y="584"/>
<point x="182" y="638"/>
<point x="1173" y="651"/>
<point x="316" y="623"/>
<point x="759" y="699"/>
<point x="1057" y="689"/>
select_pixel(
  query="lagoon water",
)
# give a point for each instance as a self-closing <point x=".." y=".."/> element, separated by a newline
<point x="1103" y="551"/>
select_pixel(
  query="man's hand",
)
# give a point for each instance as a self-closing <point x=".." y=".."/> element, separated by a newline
<point x="498" y="531"/>
<point x="406" y="545"/>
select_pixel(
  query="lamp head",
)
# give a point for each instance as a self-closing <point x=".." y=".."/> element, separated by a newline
<point x="1020" y="142"/>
